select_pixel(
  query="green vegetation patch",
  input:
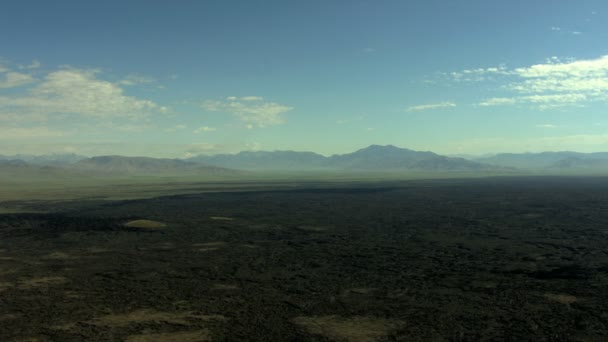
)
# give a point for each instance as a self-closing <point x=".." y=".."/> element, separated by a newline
<point x="356" y="329"/>
<point x="145" y="224"/>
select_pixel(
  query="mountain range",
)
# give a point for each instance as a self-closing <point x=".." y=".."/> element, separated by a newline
<point x="372" y="159"/>
<point x="549" y="160"/>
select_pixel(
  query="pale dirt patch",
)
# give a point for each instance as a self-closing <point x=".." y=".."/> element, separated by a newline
<point x="166" y="246"/>
<point x="4" y="286"/>
<point x="58" y="256"/>
<point x="41" y="282"/>
<point x="151" y="315"/>
<point x="561" y="298"/>
<point x="207" y="249"/>
<point x="72" y="295"/>
<point x="314" y="228"/>
<point x="145" y="224"/>
<point x="359" y="291"/>
<point x="352" y="329"/>
<point x="532" y="215"/>
<point x="9" y="317"/>
<point x="266" y="227"/>
<point x="182" y="336"/>
<point x="209" y="244"/>
<point x="225" y="287"/>
<point x="221" y="218"/>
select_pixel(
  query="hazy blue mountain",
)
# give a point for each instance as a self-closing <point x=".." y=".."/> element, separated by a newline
<point x="265" y="160"/>
<point x="12" y="162"/>
<point x="374" y="158"/>
<point x="18" y="171"/>
<point x="148" y="166"/>
<point x="548" y="160"/>
<point x="49" y="159"/>
<point x="388" y="158"/>
<point x="587" y="162"/>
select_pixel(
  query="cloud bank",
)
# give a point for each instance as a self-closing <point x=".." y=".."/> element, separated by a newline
<point x="552" y="84"/>
<point x="252" y="110"/>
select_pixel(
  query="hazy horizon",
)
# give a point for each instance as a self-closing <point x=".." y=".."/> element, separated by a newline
<point x="331" y="77"/>
<point x="463" y="155"/>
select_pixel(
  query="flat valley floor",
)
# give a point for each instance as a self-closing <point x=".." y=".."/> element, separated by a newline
<point x="494" y="259"/>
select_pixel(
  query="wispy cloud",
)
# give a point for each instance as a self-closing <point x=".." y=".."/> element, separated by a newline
<point x="547" y="125"/>
<point x="252" y="110"/>
<point x="204" y="129"/>
<point x="560" y="30"/>
<point x="136" y="79"/>
<point x="542" y="102"/>
<point x="432" y="106"/>
<point x="11" y="133"/>
<point x="77" y="92"/>
<point x="35" y="65"/>
<point x="176" y="128"/>
<point x="479" y="74"/>
<point x="12" y="79"/>
<point x="555" y="83"/>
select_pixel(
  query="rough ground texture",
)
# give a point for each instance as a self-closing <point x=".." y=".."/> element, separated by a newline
<point x="468" y="260"/>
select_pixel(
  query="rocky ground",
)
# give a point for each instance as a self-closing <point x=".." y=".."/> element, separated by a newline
<point x="509" y="259"/>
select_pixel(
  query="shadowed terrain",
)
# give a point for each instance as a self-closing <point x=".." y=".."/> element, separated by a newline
<point x="440" y="260"/>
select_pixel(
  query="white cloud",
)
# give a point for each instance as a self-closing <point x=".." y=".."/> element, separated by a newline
<point x="431" y="106"/>
<point x="479" y="74"/>
<point x="22" y="117"/>
<point x="562" y="31"/>
<point x="204" y="129"/>
<point x="251" y="98"/>
<point x="541" y="101"/>
<point x="498" y="101"/>
<point x="555" y="83"/>
<point x="252" y="110"/>
<point x="10" y="133"/>
<point x="175" y="128"/>
<point x="547" y="125"/>
<point x="14" y="79"/>
<point x="202" y="148"/>
<point x="35" y="65"/>
<point x="81" y="93"/>
<point x="136" y="79"/>
<point x="589" y="68"/>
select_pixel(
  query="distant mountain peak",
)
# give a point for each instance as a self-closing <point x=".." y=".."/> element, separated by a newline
<point x="373" y="158"/>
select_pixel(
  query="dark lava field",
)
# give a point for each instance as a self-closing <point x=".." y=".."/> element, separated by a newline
<point x="495" y="259"/>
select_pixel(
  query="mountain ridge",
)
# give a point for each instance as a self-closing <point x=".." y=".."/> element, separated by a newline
<point x="373" y="158"/>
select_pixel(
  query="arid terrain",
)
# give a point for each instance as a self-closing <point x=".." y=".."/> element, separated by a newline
<point x="493" y="259"/>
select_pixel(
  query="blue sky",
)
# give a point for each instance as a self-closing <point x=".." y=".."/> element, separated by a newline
<point x="178" y="79"/>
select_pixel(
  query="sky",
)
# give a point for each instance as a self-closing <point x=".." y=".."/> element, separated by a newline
<point x="182" y="78"/>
